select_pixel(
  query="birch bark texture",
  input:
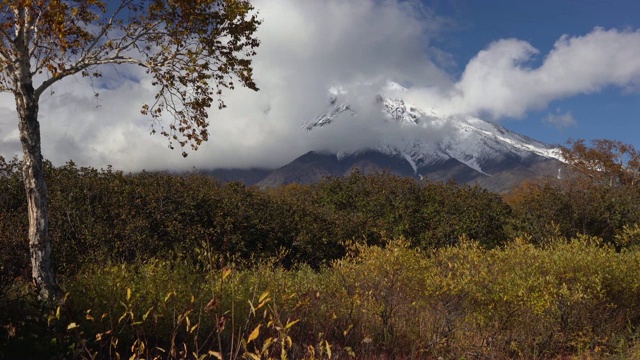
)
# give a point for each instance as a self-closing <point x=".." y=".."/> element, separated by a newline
<point x="192" y="51"/>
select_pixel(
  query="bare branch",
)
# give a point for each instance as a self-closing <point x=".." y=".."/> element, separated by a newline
<point x="104" y="31"/>
<point x="36" y="31"/>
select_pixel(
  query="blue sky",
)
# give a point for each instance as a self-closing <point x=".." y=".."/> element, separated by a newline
<point x="551" y="70"/>
<point x="612" y="113"/>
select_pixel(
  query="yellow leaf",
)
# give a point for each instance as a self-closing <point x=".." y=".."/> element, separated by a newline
<point x="72" y="326"/>
<point x="128" y="294"/>
<point x="254" y="334"/>
<point x="225" y="273"/>
<point x="263" y="296"/>
<point x="253" y="356"/>
<point x="347" y="331"/>
<point x="266" y="344"/>
<point x="123" y="317"/>
<point x="290" y="324"/>
<point x="328" y="349"/>
<point x="216" y="354"/>
<point x="146" y="315"/>
<point x="350" y="351"/>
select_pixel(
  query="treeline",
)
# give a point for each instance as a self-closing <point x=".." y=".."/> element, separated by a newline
<point x="108" y="216"/>
<point x="111" y="217"/>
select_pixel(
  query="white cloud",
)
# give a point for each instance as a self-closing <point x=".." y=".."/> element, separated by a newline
<point x="560" y="121"/>
<point x="499" y="82"/>
<point x="308" y="48"/>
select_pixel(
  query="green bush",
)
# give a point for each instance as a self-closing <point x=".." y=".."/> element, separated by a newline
<point x="549" y="209"/>
<point x="98" y="215"/>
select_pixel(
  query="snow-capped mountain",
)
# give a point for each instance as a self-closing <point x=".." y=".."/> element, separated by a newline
<point x="476" y="143"/>
<point x="416" y="142"/>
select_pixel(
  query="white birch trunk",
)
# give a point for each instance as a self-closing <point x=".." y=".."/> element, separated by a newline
<point x="34" y="183"/>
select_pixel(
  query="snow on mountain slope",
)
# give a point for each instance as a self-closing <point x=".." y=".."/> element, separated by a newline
<point x="335" y="110"/>
<point x="467" y="139"/>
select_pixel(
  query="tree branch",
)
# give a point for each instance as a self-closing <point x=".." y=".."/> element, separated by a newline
<point x="80" y="67"/>
<point x="105" y="29"/>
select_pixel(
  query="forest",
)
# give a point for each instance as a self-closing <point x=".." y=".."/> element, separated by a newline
<point x="157" y="265"/>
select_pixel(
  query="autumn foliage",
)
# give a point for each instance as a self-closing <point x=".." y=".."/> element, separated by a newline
<point x="161" y="265"/>
<point x="605" y="162"/>
<point x="597" y="195"/>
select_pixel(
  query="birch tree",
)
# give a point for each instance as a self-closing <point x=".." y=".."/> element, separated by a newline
<point x="605" y="162"/>
<point x="192" y="50"/>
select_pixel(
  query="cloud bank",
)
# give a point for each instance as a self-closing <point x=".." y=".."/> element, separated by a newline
<point x="499" y="83"/>
<point x="309" y="47"/>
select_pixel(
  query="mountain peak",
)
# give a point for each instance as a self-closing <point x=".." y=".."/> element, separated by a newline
<point x="394" y="86"/>
<point x="469" y="140"/>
